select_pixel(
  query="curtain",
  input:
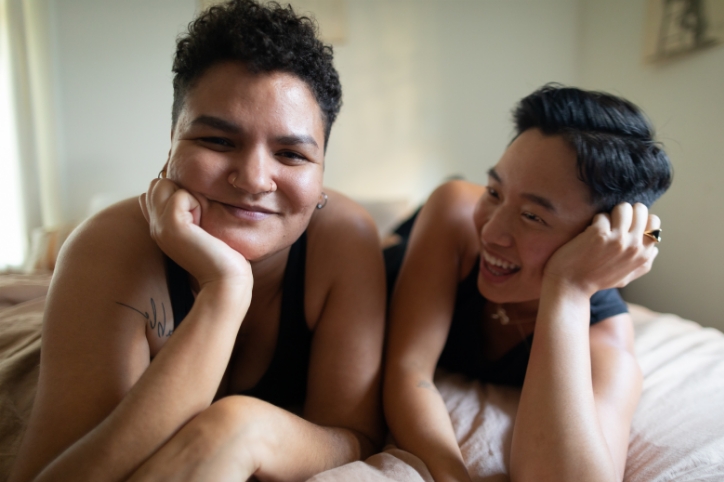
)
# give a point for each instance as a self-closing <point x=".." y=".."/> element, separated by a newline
<point x="29" y="106"/>
<point x="13" y="240"/>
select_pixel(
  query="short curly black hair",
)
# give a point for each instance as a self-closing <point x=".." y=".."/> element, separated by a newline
<point x="617" y="154"/>
<point x="266" y="38"/>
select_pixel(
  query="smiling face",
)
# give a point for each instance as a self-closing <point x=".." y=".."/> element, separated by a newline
<point x="250" y="148"/>
<point x="534" y="203"/>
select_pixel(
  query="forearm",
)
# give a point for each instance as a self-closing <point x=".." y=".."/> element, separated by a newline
<point x="557" y="434"/>
<point x="420" y="424"/>
<point x="179" y="383"/>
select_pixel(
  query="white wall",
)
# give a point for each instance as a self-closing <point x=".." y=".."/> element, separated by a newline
<point x="685" y="100"/>
<point x="428" y="88"/>
<point x="114" y="75"/>
<point x="429" y="85"/>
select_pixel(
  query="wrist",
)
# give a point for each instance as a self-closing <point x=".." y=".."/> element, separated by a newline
<point x="231" y="293"/>
<point x="568" y="287"/>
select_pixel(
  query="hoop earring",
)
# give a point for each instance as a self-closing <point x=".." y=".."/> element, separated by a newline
<point x="162" y="173"/>
<point x="323" y="202"/>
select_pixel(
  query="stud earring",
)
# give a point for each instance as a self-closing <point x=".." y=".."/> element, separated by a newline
<point x="232" y="180"/>
<point x="323" y="202"/>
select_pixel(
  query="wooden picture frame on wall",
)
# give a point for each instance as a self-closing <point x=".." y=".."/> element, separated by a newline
<point x="677" y="27"/>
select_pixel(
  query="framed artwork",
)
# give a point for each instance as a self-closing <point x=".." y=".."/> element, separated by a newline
<point x="677" y="27"/>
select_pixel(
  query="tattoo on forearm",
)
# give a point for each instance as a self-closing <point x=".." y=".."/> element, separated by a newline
<point x="426" y="384"/>
<point x="153" y="320"/>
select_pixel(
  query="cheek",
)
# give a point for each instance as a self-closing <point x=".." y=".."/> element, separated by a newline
<point x="538" y="251"/>
<point x="302" y="187"/>
<point x="190" y="169"/>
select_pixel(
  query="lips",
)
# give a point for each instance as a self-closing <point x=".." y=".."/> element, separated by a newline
<point x="498" y="266"/>
<point x="247" y="211"/>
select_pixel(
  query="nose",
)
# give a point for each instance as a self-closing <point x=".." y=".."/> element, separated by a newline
<point x="497" y="227"/>
<point x="254" y="171"/>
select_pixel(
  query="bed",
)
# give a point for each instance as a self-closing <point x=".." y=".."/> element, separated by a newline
<point x="677" y="432"/>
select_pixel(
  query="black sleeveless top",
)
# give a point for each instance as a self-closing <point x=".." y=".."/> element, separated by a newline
<point x="463" y="351"/>
<point x="285" y="382"/>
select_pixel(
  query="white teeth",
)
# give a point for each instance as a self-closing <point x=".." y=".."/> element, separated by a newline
<point x="490" y="259"/>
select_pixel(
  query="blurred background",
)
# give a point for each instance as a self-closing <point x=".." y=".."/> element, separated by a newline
<point x="85" y="102"/>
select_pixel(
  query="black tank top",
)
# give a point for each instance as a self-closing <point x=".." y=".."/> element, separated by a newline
<point x="285" y="381"/>
<point x="463" y="351"/>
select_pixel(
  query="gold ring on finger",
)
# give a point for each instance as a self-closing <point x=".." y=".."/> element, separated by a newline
<point x="654" y="234"/>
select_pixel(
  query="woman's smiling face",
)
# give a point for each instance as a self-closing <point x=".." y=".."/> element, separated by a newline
<point x="250" y="148"/>
<point x="533" y="204"/>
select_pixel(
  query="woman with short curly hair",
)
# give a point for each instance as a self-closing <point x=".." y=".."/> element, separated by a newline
<point x="230" y="324"/>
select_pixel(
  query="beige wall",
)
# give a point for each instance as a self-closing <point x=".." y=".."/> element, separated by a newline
<point x="428" y="88"/>
<point x="685" y="100"/>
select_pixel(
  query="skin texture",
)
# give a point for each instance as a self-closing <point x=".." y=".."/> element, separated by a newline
<point x="582" y="383"/>
<point x="123" y="396"/>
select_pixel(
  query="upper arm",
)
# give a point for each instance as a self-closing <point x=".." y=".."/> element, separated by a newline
<point x="616" y="382"/>
<point x="345" y="296"/>
<point x="440" y="251"/>
<point x="93" y="349"/>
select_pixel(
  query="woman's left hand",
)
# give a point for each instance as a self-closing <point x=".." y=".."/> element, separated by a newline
<point x="611" y="252"/>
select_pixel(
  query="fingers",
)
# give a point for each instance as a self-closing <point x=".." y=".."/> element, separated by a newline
<point x="622" y="217"/>
<point x="144" y="208"/>
<point x="635" y="220"/>
<point x="602" y="222"/>
<point x="640" y="220"/>
<point x="155" y="203"/>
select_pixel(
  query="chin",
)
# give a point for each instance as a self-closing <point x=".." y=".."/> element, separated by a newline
<point x="252" y="251"/>
<point x="509" y="294"/>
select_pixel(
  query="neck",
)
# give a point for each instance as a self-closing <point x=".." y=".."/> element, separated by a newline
<point x="514" y="313"/>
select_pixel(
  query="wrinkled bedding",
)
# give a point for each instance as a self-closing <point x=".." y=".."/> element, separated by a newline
<point x="677" y="431"/>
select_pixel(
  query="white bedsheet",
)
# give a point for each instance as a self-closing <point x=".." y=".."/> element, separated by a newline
<point x="677" y="431"/>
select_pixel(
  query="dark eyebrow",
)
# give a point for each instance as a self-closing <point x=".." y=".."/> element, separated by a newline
<point x="494" y="175"/>
<point x="217" y="123"/>
<point x="539" y="200"/>
<point x="293" y="140"/>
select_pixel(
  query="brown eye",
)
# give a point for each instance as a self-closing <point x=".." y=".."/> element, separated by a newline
<point x="533" y="217"/>
<point x="217" y="141"/>
<point x="293" y="157"/>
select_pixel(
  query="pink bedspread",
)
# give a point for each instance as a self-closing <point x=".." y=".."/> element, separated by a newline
<point x="677" y="432"/>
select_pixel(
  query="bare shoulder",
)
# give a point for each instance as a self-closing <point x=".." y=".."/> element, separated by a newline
<point x="455" y="199"/>
<point x="119" y="230"/>
<point x="343" y="252"/>
<point x="445" y="225"/>
<point x="110" y="261"/>
<point x="110" y="255"/>
<point x="342" y="216"/>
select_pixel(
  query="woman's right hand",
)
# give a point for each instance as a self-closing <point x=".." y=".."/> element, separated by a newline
<point x="174" y="217"/>
<point x="610" y="253"/>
